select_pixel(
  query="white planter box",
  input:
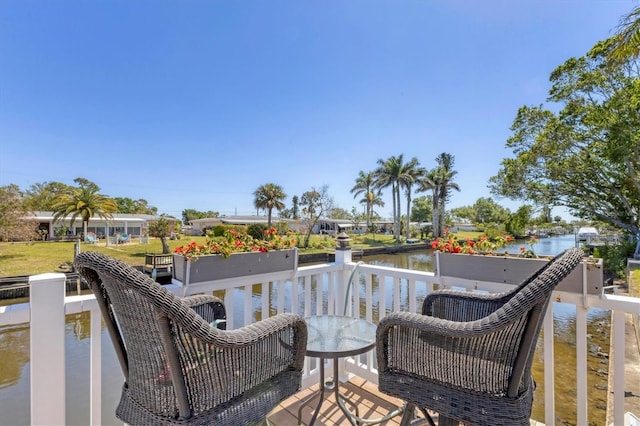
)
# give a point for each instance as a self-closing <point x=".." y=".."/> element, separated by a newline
<point x="215" y="267"/>
<point x="514" y="270"/>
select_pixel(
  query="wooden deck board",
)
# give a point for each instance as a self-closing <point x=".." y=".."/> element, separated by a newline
<point x="370" y="402"/>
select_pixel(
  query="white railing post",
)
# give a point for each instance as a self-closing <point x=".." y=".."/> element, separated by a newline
<point x="343" y="256"/>
<point x="46" y="298"/>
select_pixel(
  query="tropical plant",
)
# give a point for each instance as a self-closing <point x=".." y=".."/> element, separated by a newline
<point x="395" y="173"/>
<point x="448" y="243"/>
<point x="411" y="172"/>
<point x="237" y="242"/>
<point x="83" y="202"/>
<point x="439" y="182"/>
<point x="529" y="252"/>
<point x="269" y="196"/>
<point x="371" y="196"/>
<point x="626" y="42"/>
<point x="43" y="196"/>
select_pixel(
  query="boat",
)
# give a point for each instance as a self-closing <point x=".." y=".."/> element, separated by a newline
<point x="586" y="232"/>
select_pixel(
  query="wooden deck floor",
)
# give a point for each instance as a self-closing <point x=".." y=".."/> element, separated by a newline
<point x="371" y="404"/>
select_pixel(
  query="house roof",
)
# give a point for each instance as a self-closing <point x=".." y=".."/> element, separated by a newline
<point x="120" y="217"/>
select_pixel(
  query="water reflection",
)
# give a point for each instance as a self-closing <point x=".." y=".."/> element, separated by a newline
<point x="14" y="353"/>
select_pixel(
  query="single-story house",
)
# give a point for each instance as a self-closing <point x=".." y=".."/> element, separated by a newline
<point x="133" y="225"/>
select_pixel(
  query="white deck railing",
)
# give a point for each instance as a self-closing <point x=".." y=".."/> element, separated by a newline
<point x="318" y="289"/>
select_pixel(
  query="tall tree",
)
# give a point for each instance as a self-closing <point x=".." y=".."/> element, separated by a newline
<point x="295" y="207"/>
<point x="161" y="228"/>
<point x="387" y="174"/>
<point x="585" y="154"/>
<point x="13" y="211"/>
<point x="315" y="204"/>
<point x="440" y="182"/>
<point x="371" y="195"/>
<point x="43" y="196"/>
<point x="409" y="176"/>
<point x="190" y="214"/>
<point x="421" y="211"/>
<point x="84" y="202"/>
<point x="130" y="206"/>
<point x="269" y="196"/>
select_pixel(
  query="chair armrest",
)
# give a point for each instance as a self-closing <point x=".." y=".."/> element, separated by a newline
<point x="462" y="306"/>
<point x="210" y="308"/>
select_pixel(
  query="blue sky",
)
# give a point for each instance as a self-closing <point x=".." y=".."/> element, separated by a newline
<point x="194" y="104"/>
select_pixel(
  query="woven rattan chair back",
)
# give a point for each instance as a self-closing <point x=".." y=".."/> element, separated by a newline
<point x="178" y="368"/>
<point x="468" y="356"/>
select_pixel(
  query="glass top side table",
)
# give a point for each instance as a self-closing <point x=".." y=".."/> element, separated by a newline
<point x="337" y="337"/>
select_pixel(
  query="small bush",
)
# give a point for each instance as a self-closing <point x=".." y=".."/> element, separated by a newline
<point x="256" y="230"/>
<point x="614" y="257"/>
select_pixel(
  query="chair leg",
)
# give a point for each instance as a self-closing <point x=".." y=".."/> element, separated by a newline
<point x="446" y="421"/>
<point x="408" y="414"/>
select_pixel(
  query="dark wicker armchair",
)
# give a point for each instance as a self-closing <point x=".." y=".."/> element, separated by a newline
<point x="178" y="368"/>
<point x="468" y="356"/>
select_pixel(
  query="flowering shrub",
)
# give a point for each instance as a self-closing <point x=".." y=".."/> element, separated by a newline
<point x="528" y="252"/>
<point x="237" y="242"/>
<point x="449" y="244"/>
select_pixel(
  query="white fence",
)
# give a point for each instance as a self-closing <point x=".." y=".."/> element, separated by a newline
<point x="318" y="289"/>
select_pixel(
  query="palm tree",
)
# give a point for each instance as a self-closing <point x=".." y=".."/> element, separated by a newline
<point x="84" y="202"/>
<point x="366" y="186"/>
<point x="387" y="174"/>
<point x="625" y="44"/>
<point x="439" y="181"/>
<point x="269" y="196"/>
<point x="410" y="174"/>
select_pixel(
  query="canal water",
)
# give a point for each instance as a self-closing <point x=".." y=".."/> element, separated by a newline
<point x="14" y="356"/>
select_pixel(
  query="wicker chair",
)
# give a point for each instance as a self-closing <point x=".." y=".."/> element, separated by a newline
<point x="468" y="356"/>
<point x="178" y="368"/>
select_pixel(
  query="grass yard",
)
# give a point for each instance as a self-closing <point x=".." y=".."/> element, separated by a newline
<point x="48" y="256"/>
<point x="41" y="257"/>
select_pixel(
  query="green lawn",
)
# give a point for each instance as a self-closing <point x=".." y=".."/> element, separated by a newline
<point x="40" y="257"/>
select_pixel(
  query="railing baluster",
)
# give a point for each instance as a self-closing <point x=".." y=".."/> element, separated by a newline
<point x="368" y="283"/>
<point x="228" y="304"/>
<point x="618" y="323"/>
<point x="581" y="365"/>
<point x="248" y="305"/>
<point x="95" y="410"/>
<point x="549" y="370"/>
<point x="411" y="291"/>
<point x="396" y="294"/>
<point x="265" y="300"/>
